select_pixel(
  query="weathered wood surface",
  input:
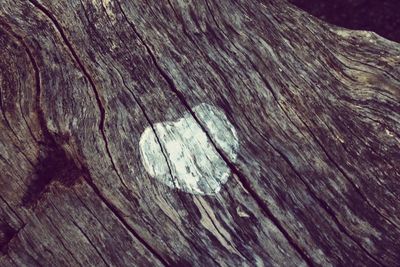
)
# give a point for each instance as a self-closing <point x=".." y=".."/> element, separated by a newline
<point x="315" y="181"/>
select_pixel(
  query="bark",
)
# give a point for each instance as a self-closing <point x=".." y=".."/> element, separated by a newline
<point x="314" y="180"/>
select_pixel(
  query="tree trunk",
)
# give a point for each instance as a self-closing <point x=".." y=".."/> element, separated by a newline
<point x="195" y="133"/>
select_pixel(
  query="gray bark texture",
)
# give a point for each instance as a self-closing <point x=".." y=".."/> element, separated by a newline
<point x="316" y="177"/>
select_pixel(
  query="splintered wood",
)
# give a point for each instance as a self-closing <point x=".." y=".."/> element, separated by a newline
<point x="195" y="133"/>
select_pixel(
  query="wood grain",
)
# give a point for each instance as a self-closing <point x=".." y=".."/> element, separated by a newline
<point x="315" y="107"/>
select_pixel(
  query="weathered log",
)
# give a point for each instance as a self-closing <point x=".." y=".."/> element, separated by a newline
<point x="231" y="133"/>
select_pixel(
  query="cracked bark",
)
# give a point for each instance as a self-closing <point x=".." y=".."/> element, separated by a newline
<point x="315" y="107"/>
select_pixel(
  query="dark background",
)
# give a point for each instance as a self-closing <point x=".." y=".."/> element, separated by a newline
<point x="380" y="16"/>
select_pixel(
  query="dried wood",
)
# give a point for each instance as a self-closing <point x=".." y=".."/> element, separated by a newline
<point x="278" y="136"/>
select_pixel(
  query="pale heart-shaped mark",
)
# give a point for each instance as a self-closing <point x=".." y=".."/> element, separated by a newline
<point x="182" y="149"/>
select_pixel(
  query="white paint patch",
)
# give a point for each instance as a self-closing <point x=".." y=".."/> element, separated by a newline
<point x="241" y="212"/>
<point x="182" y="148"/>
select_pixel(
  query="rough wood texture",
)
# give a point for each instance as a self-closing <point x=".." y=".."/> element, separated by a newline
<point x="315" y="181"/>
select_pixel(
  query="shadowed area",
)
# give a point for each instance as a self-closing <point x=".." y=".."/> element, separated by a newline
<point x="381" y="17"/>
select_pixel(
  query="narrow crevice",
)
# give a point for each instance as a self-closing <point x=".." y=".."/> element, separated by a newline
<point x="288" y="161"/>
<point x="121" y="218"/>
<point x="149" y="121"/>
<point x="33" y="253"/>
<point x="348" y="100"/>
<point x="12" y="210"/>
<point x="6" y="29"/>
<point x="91" y="212"/>
<point x="81" y="231"/>
<point x="348" y="178"/>
<point x="26" y="122"/>
<point x="321" y="202"/>
<point x="213" y="18"/>
<point x="91" y="243"/>
<point x="365" y="198"/>
<point x="60" y="239"/>
<point x="359" y="192"/>
<point x="7" y="234"/>
<point x="134" y="96"/>
<point x="101" y="223"/>
<point x="196" y="45"/>
<point x="237" y="252"/>
<point x="101" y="127"/>
<point x="382" y="183"/>
<point x="243" y="180"/>
<point x="13" y="261"/>
<point x="392" y="76"/>
<point x="5" y="161"/>
<point x="163" y="150"/>
<point x="192" y="242"/>
<point x="186" y="34"/>
<point x="53" y="163"/>
<point x="74" y="54"/>
<point x="8" y="124"/>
